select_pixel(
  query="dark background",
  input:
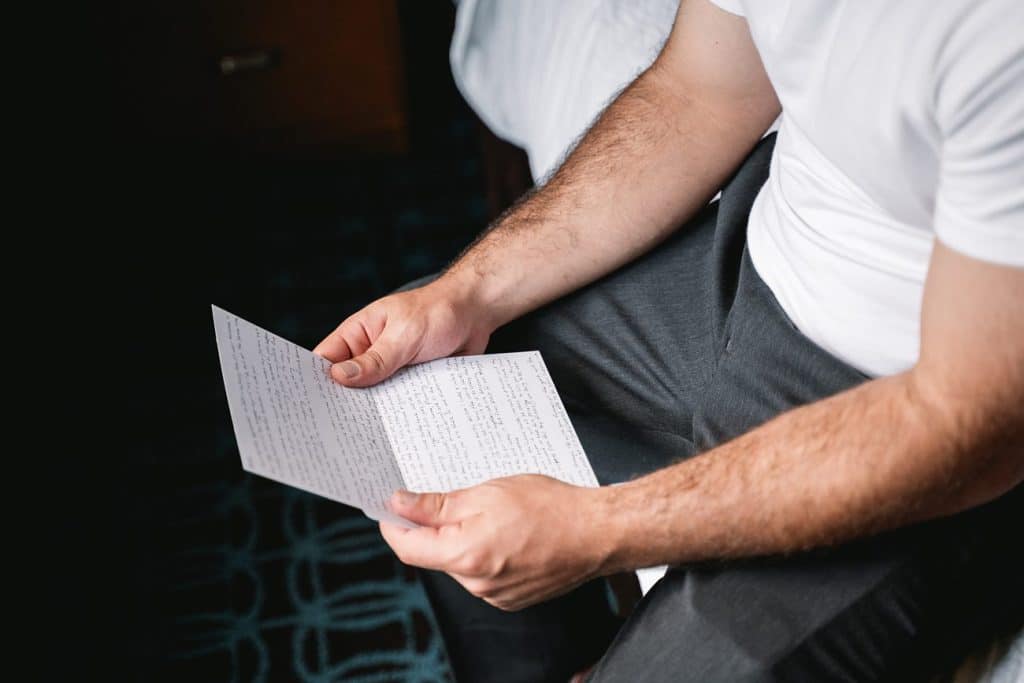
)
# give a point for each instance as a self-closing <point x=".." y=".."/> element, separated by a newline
<point x="292" y="213"/>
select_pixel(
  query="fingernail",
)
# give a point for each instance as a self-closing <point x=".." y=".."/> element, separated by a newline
<point x="350" y="368"/>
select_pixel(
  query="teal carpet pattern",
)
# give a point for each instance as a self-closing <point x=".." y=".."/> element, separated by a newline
<point x="300" y="589"/>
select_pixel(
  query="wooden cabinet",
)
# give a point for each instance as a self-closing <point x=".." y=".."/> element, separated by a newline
<point x="310" y="78"/>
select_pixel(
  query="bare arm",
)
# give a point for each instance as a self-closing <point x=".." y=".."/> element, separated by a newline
<point x="652" y="160"/>
<point x="940" y="438"/>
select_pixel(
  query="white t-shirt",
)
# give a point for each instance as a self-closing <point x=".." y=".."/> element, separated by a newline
<point x="902" y="121"/>
<point x="538" y="72"/>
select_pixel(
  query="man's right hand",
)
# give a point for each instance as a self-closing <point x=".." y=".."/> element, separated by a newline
<point x="422" y="324"/>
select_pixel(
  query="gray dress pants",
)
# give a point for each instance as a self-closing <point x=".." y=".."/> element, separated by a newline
<point x="661" y="360"/>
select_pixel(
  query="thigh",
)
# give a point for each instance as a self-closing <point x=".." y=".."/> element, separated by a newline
<point x="765" y="366"/>
<point x="628" y="354"/>
<point x="633" y="354"/>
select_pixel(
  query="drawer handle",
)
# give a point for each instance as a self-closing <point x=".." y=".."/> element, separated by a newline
<point x="248" y="60"/>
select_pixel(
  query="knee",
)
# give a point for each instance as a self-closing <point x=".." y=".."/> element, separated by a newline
<point x="703" y="627"/>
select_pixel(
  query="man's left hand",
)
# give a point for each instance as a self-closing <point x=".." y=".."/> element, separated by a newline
<point x="513" y="542"/>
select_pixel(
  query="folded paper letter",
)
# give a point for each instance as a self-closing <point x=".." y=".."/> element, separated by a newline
<point x="437" y="426"/>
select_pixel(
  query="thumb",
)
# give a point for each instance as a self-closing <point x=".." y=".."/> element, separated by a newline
<point x="373" y="365"/>
<point x="427" y="509"/>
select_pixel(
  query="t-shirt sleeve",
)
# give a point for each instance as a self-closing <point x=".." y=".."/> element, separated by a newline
<point x="979" y="203"/>
<point x="731" y="6"/>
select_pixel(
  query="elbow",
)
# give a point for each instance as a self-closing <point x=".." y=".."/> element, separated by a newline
<point x="979" y="434"/>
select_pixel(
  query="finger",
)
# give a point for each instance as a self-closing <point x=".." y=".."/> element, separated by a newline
<point x="380" y="361"/>
<point x="476" y="586"/>
<point x="424" y="547"/>
<point x="427" y="509"/>
<point x="350" y="338"/>
<point x="524" y="594"/>
<point x="333" y="347"/>
<point x="504" y="604"/>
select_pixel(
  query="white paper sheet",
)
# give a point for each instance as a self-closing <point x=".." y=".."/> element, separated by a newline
<point x="436" y="426"/>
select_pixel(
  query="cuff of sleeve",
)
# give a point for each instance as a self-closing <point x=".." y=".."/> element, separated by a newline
<point x="985" y="242"/>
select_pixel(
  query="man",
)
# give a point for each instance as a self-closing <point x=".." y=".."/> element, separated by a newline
<point x="842" y="344"/>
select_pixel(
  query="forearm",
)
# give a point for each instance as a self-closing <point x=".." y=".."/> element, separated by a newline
<point x="873" y="458"/>
<point x="652" y="160"/>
